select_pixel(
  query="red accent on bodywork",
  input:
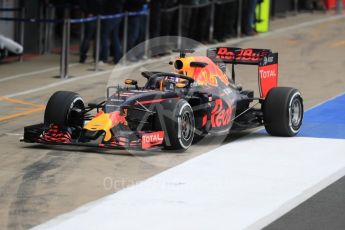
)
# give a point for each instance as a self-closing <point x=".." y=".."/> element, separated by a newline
<point x="268" y="78"/>
<point x="55" y="135"/>
<point x="116" y="118"/>
<point x="152" y="139"/>
<point x="99" y="114"/>
<point x="150" y="101"/>
<point x="121" y="142"/>
<point x="220" y="116"/>
<point x="204" y="120"/>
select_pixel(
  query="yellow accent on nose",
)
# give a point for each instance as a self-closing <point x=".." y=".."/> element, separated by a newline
<point x="102" y="122"/>
<point x="107" y="135"/>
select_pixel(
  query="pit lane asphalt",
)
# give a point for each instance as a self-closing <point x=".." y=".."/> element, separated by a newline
<point x="37" y="183"/>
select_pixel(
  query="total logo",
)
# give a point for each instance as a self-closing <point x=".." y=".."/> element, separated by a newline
<point x="151" y="139"/>
<point x="267" y="74"/>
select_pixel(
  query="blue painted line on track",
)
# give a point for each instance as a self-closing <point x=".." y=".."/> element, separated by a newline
<point x="326" y="120"/>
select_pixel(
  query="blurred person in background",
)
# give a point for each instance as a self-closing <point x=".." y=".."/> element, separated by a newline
<point x="59" y="14"/>
<point x="189" y="18"/>
<point x="110" y="29"/>
<point x="220" y="14"/>
<point x="196" y="19"/>
<point x="163" y="14"/>
<point x="203" y="17"/>
<point x="134" y="25"/>
<point x="90" y="8"/>
<point x="315" y="5"/>
<point x="168" y="19"/>
<point x="155" y="17"/>
<point x="231" y="9"/>
<point x="249" y="17"/>
<point x="142" y="29"/>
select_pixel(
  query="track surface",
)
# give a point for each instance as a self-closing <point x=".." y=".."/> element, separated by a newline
<point x="38" y="183"/>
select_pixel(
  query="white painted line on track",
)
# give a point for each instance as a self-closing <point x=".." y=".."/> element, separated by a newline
<point x="62" y="82"/>
<point x="302" y="25"/>
<point x="55" y="84"/>
<point x="227" y="188"/>
<point x="14" y="134"/>
<point x="284" y="29"/>
<point x="33" y="73"/>
<point x="324" y="102"/>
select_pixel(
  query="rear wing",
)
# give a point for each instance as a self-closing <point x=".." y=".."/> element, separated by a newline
<point x="265" y="59"/>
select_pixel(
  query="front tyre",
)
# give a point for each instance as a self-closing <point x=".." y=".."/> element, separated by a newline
<point x="283" y="111"/>
<point x="65" y="108"/>
<point x="180" y="126"/>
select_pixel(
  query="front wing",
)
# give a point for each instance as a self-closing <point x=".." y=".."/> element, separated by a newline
<point x="57" y="135"/>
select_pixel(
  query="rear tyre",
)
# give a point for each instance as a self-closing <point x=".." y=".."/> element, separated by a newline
<point x="179" y="125"/>
<point x="65" y="108"/>
<point x="283" y="111"/>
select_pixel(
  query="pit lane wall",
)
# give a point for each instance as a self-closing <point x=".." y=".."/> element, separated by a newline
<point x="242" y="185"/>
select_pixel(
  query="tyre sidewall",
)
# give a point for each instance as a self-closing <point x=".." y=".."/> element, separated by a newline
<point x="295" y="129"/>
<point x="276" y="111"/>
<point x="59" y="108"/>
<point x="172" y="113"/>
<point x="185" y="108"/>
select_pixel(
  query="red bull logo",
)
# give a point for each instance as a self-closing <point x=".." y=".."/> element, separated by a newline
<point x="219" y="115"/>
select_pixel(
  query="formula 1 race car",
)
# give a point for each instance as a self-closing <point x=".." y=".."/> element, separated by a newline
<point x="174" y="110"/>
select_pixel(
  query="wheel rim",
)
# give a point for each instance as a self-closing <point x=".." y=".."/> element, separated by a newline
<point x="72" y="117"/>
<point x="295" y="113"/>
<point x="186" y="126"/>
